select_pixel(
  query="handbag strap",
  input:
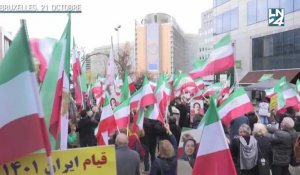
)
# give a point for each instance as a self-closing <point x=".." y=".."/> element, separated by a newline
<point x="262" y="155"/>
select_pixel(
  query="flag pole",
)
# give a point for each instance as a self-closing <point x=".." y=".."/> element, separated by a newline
<point x="118" y="129"/>
<point x="234" y="67"/>
<point x="236" y="77"/>
<point x="166" y="113"/>
<point x="49" y="159"/>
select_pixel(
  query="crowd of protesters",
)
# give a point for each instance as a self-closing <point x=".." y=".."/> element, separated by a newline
<point x="260" y="142"/>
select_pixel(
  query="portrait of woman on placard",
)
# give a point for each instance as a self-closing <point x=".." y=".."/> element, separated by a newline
<point x="196" y="108"/>
<point x="113" y="103"/>
<point x="190" y="151"/>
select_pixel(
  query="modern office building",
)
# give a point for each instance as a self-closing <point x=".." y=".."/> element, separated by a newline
<point x="206" y="37"/>
<point x="5" y="41"/>
<point x="260" y="47"/>
<point x="162" y="46"/>
<point x="191" y="50"/>
<point x="206" y="33"/>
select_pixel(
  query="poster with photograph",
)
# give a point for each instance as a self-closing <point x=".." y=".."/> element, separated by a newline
<point x="197" y="110"/>
<point x="188" y="145"/>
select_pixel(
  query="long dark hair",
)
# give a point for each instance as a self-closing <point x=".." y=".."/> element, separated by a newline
<point x="184" y="156"/>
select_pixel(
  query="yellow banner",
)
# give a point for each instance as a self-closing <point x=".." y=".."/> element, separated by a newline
<point x="273" y="102"/>
<point x="81" y="161"/>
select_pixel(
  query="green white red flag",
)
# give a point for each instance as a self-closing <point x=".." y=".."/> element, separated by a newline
<point x="181" y="82"/>
<point x="213" y="156"/>
<point x="224" y="91"/>
<point x="221" y="59"/>
<point x="125" y="92"/>
<point x="135" y="98"/>
<point x="298" y="87"/>
<point x="162" y="93"/>
<point x="237" y="104"/>
<point x="147" y="96"/>
<point x="76" y="68"/>
<point x="22" y="125"/>
<point x="122" y="114"/>
<point x="286" y="95"/>
<point x="55" y="90"/>
<point x="131" y="84"/>
<point x="213" y="89"/>
<point x="147" y="99"/>
<point x="107" y="122"/>
<point x="42" y="50"/>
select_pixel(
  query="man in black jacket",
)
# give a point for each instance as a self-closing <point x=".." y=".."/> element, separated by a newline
<point x="86" y="127"/>
<point x="183" y="120"/>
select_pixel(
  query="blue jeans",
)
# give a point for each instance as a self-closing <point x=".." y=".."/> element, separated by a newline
<point x="264" y="119"/>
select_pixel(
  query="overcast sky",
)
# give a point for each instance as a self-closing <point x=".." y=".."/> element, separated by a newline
<point x="95" y="25"/>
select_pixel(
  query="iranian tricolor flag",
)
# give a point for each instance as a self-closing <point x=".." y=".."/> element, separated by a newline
<point x="225" y="97"/>
<point x="199" y="85"/>
<point x="76" y="75"/>
<point x="170" y="79"/>
<point x="152" y="112"/>
<point x="147" y="96"/>
<point x="271" y="92"/>
<point x="213" y="89"/>
<point x="122" y="114"/>
<point x="213" y="157"/>
<point x="107" y="122"/>
<point x="122" y="111"/>
<point x="236" y="105"/>
<point x="183" y="81"/>
<point x="135" y="98"/>
<point x="162" y="94"/>
<point x="147" y="99"/>
<point x="42" y="50"/>
<point x="98" y="92"/>
<point x="55" y="90"/>
<point x="22" y="125"/>
<point x="90" y="101"/>
<point x="286" y="95"/>
<point x="125" y="92"/>
<point x="198" y="95"/>
<point x="298" y="87"/>
<point x="225" y="90"/>
<point x="221" y="59"/>
<point x="131" y="84"/>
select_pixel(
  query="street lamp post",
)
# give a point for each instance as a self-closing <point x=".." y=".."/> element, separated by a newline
<point x="117" y="29"/>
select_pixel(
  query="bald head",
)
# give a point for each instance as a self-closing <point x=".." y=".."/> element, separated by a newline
<point x="121" y="140"/>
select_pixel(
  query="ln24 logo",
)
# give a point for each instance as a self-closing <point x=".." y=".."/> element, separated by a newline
<point x="276" y="17"/>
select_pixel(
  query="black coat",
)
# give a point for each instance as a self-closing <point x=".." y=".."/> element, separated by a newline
<point x="169" y="166"/>
<point x="183" y="120"/>
<point x="264" y="148"/>
<point x="86" y="128"/>
<point x="297" y="124"/>
<point x="281" y="141"/>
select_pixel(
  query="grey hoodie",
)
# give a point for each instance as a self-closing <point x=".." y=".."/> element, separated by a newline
<point x="248" y="153"/>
